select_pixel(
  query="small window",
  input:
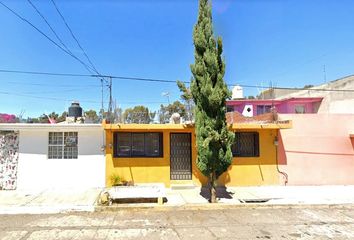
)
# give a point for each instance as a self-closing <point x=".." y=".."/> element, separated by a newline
<point x="127" y="144"/>
<point x="63" y="145"/>
<point x="300" y="109"/>
<point x="246" y="144"/>
<point x="261" y="109"/>
<point x="229" y="108"/>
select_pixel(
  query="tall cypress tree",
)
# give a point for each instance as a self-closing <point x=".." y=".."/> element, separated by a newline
<point x="209" y="93"/>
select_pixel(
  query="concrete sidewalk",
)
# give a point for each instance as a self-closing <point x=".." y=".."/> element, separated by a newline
<point x="47" y="201"/>
<point x="66" y="200"/>
<point x="274" y="195"/>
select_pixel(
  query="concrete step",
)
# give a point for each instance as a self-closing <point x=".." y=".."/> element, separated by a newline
<point x="182" y="186"/>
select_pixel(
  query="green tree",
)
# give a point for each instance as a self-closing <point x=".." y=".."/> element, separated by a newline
<point x="187" y="97"/>
<point x="44" y="118"/>
<point x="166" y="112"/>
<point x="118" y="115"/>
<point x="137" y="114"/>
<point x="210" y="92"/>
<point x="62" y="117"/>
<point x="92" y="116"/>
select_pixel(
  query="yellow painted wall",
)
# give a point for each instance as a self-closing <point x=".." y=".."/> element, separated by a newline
<point x="148" y="170"/>
<point x="255" y="171"/>
<point x="245" y="171"/>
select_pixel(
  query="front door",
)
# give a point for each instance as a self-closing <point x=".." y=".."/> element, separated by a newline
<point x="181" y="156"/>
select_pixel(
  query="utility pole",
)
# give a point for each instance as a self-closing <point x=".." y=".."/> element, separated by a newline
<point x="324" y="73"/>
<point x="110" y="114"/>
<point x="102" y="110"/>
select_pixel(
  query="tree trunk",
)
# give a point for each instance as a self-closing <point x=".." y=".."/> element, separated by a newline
<point x="213" y="188"/>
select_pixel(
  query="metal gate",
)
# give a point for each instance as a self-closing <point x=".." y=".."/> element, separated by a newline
<point x="181" y="156"/>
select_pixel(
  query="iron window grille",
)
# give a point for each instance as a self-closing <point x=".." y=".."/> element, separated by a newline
<point x="246" y="144"/>
<point x="63" y="145"/>
<point x="137" y="144"/>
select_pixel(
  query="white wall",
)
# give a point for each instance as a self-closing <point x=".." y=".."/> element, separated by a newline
<point x="36" y="171"/>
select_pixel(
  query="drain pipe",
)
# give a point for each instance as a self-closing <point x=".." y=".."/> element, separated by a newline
<point x="285" y="175"/>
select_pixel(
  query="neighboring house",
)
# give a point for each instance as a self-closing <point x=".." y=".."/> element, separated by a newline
<point x="318" y="150"/>
<point x="338" y="99"/>
<point x="254" y="107"/>
<point x="40" y="156"/>
<point x="147" y="153"/>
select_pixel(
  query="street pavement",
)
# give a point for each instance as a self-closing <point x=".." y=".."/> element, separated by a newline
<point x="177" y="223"/>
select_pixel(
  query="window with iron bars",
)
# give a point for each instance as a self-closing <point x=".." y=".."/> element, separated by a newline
<point x="138" y="144"/>
<point x="246" y="144"/>
<point x="63" y="145"/>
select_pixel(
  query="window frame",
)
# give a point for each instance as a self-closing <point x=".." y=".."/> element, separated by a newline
<point x="131" y="155"/>
<point x="63" y="145"/>
<point x="263" y="109"/>
<point x="301" y="106"/>
<point x="256" y="145"/>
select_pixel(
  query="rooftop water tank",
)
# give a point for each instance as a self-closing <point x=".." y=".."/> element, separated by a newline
<point x="237" y="92"/>
<point x="75" y="110"/>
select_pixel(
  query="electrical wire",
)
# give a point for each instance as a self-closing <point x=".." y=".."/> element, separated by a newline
<point x="167" y="81"/>
<point x="50" y="26"/>
<point x="46" y="36"/>
<point x="70" y="100"/>
<point x="51" y="85"/>
<point x="74" y="37"/>
<point x="46" y="98"/>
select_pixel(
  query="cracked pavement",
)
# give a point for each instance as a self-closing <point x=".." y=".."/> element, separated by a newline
<point x="227" y="223"/>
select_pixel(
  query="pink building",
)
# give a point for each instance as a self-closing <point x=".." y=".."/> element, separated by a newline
<point x="318" y="150"/>
<point x="254" y="107"/>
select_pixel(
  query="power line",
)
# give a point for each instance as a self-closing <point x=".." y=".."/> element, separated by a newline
<point x="46" y="98"/>
<point x="90" y="75"/>
<point x="74" y="37"/>
<point x="70" y="100"/>
<point x="46" y="73"/>
<point x="143" y="79"/>
<point x="46" y="36"/>
<point x="50" y="26"/>
<point x="165" y="80"/>
<point x="51" y="85"/>
<point x="60" y="91"/>
<point x="87" y="57"/>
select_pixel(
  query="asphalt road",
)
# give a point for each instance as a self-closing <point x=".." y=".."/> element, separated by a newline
<point x="234" y="223"/>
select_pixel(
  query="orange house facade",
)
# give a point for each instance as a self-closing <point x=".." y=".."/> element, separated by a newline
<point x="166" y="153"/>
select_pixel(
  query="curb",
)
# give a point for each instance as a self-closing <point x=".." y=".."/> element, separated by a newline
<point x="217" y="206"/>
<point x="11" y="210"/>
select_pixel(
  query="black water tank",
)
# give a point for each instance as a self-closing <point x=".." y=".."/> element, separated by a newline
<point x="75" y="110"/>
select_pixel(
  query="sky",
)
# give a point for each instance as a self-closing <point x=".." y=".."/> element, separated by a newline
<point x="285" y="43"/>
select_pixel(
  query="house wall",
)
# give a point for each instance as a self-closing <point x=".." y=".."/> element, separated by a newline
<point x="318" y="149"/>
<point x="151" y="169"/>
<point x="333" y="101"/>
<point x="290" y="107"/>
<point x="282" y="106"/>
<point x="245" y="171"/>
<point x="255" y="171"/>
<point x="36" y="171"/>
